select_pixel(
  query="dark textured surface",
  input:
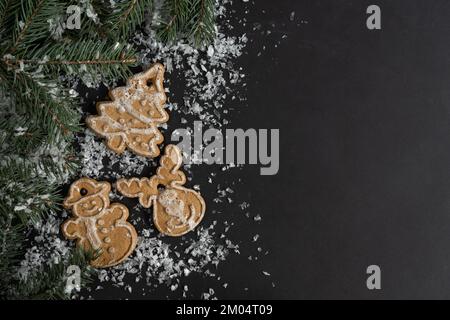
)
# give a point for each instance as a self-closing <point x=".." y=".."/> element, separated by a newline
<point x="365" y="155"/>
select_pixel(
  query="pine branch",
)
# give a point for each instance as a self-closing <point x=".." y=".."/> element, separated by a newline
<point x="34" y="10"/>
<point x="126" y="16"/>
<point x="50" y="281"/>
<point x="202" y="22"/>
<point x="65" y="165"/>
<point x="6" y="7"/>
<point x="45" y="103"/>
<point x="21" y="199"/>
<point x="11" y="238"/>
<point x="111" y="60"/>
<point x="175" y="17"/>
<point x="31" y="22"/>
<point x="19" y="135"/>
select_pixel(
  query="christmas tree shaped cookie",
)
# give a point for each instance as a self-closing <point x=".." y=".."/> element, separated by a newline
<point x="97" y="225"/>
<point x="131" y="119"/>
<point x="176" y="209"/>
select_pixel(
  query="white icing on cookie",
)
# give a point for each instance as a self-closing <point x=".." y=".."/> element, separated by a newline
<point x="123" y="98"/>
<point x="99" y="222"/>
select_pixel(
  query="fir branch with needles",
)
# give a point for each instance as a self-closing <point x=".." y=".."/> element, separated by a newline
<point x="22" y="200"/>
<point x="175" y="17"/>
<point x="110" y="59"/>
<point x="190" y="19"/>
<point x="126" y="16"/>
<point x="202" y="22"/>
<point x="12" y="237"/>
<point x="50" y="281"/>
<point x="32" y="22"/>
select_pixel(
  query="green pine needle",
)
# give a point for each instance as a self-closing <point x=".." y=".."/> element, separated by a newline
<point x="175" y="17"/>
<point x="31" y="22"/>
<point x="111" y="60"/>
<point x="51" y="280"/>
<point x="126" y="16"/>
<point x="191" y="19"/>
<point x="26" y="202"/>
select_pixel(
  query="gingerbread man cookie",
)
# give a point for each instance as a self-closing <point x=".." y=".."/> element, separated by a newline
<point x="131" y="119"/>
<point x="176" y="209"/>
<point x="97" y="225"/>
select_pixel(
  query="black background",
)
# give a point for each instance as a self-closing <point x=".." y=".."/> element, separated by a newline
<point x="364" y="152"/>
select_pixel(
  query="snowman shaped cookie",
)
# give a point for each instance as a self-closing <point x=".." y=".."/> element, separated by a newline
<point x="98" y="225"/>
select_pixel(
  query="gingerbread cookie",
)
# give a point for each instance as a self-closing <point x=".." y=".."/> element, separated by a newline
<point x="131" y="119"/>
<point x="97" y="225"/>
<point x="176" y="209"/>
